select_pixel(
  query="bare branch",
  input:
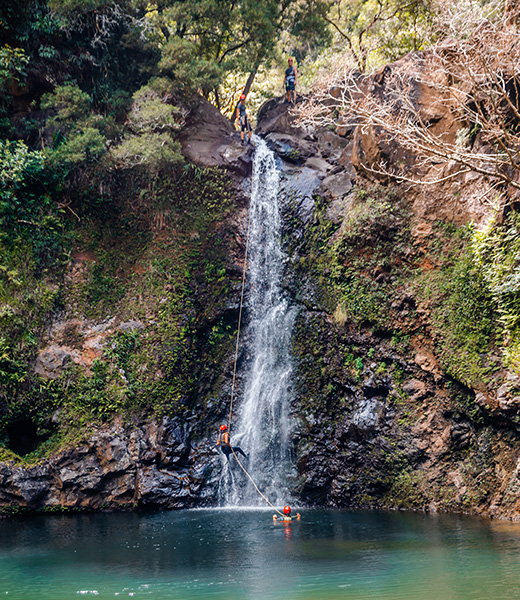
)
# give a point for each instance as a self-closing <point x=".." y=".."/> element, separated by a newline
<point x="472" y="86"/>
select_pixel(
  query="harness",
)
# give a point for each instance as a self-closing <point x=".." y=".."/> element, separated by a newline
<point x="290" y="76"/>
<point x="242" y="110"/>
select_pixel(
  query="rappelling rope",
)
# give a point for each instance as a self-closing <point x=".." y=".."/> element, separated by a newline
<point x="239" y="318"/>
<point x="256" y="487"/>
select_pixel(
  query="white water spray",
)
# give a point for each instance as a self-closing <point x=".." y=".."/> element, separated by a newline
<point x="262" y="425"/>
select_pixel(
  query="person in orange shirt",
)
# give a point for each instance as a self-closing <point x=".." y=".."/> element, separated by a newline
<point x="224" y="443"/>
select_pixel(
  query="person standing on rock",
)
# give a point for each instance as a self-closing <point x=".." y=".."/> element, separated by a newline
<point x="224" y="443"/>
<point x="291" y="75"/>
<point x="243" y="119"/>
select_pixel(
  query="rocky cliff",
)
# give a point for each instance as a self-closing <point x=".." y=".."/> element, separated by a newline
<point x="129" y="370"/>
<point x="403" y="399"/>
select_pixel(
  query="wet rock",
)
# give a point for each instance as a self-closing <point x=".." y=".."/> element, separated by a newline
<point x="372" y="388"/>
<point x="291" y="148"/>
<point x="31" y="485"/>
<point x="238" y="158"/>
<point x="149" y="465"/>
<point x="368" y="416"/>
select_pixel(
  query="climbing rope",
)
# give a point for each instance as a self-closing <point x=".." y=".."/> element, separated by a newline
<point x="256" y="487"/>
<point x="239" y="319"/>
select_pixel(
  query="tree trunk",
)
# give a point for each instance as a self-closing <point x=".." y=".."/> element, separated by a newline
<point x="247" y="87"/>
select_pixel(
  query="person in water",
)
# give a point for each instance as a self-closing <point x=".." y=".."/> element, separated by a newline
<point x="243" y="119"/>
<point x="291" y="75"/>
<point x="287" y="515"/>
<point x="224" y="443"/>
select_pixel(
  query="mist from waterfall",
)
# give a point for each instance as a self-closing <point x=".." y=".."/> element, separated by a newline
<point x="262" y="423"/>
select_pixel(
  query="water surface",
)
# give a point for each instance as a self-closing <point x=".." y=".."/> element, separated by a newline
<point x="241" y="555"/>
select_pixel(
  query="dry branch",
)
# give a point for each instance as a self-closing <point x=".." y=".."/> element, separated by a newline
<point x="472" y="87"/>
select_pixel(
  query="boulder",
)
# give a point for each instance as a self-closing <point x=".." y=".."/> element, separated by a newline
<point x="337" y="185"/>
<point x="153" y="465"/>
<point x="291" y="148"/>
<point x="209" y="139"/>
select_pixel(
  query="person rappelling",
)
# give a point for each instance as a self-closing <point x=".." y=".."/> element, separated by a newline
<point x="287" y="515"/>
<point x="224" y="443"/>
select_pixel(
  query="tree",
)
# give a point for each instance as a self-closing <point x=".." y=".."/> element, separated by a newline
<point x="389" y="28"/>
<point x="152" y="122"/>
<point x="203" y="40"/>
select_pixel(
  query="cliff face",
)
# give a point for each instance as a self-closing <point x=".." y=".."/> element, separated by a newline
<point x="403" y="396"/>
<point x="128" y="371"/>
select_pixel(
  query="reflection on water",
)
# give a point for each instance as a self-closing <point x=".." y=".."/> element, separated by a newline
<point x="241" y="555"/>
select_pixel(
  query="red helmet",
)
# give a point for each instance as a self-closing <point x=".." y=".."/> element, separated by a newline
<point x="223" y="427"/>
<point x="243" y="97"/>
<point x="286" y="510"/>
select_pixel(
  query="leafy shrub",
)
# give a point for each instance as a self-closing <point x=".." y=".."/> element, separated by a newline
<point x="68" y="102"/>
<point x="13" y="62"/>
<point x="152" y="122"/>
<point x="462" y="310"/>
<point x="151" y="150"/>
<point x="497" y="252"/>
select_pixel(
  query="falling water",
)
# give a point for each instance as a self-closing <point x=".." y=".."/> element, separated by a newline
<point x="262" y="425"/>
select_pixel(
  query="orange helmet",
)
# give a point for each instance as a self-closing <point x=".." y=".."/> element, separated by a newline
<point x="223" y="427"/>
<point x="286" y="510"/>
<point x="243" y="97"/>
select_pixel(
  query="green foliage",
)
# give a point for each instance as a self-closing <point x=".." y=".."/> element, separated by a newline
<point x="152" y="121"/>
<point x="181" y="59"/>
<point x="81" y="146"/>
<point x="376" y="32"/>
<point x="497" y="251"/>
<point x="206" y="44"/>
<point x="17" y="165"/>
<point x="373" y="237"/>
<point x="27" y="212"/>
<point x="152" y="150"/>
<point x="76" y="141"/>
<point x="160" y="367"/>
<point x="13" y="63"/>
<point x="463" y="314"/>
<point x="69" y="103"/>
<point x="151" y="112"/>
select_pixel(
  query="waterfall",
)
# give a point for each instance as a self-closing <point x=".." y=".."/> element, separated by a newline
<point x="262" y="424"/>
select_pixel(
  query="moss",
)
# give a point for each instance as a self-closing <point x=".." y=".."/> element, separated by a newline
<point x="406" y="491"/>
<point x="169" y="272"/>
<point x="462" y="311"/>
